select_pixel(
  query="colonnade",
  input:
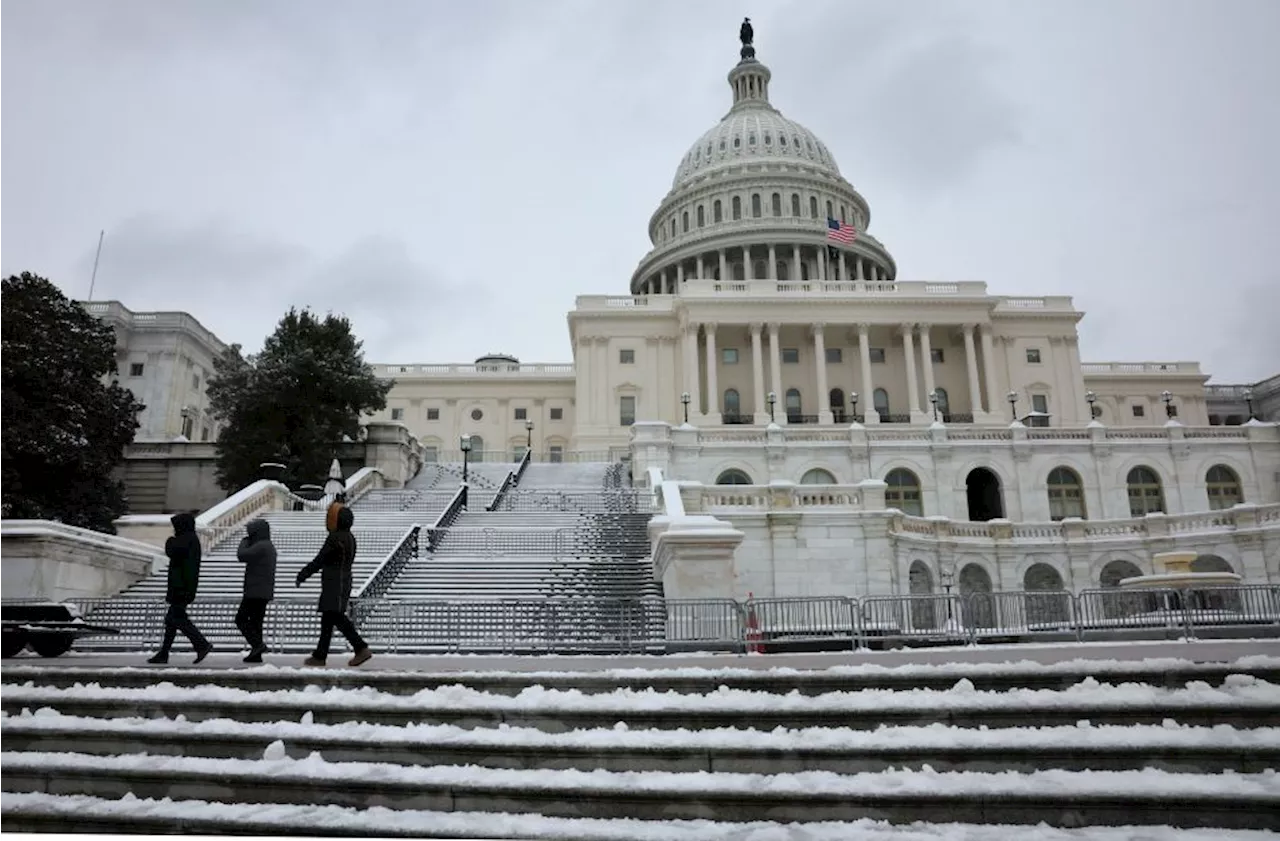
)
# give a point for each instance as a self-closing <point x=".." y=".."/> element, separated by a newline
<point x="701" y="362"/>
<point x="779" y="263"/>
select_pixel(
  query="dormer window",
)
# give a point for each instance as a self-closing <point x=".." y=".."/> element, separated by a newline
<point x="782" y="140"/>
<point x="768" y="139"/>
<point x="751" y="139"/>
<point x="737" y="142"/>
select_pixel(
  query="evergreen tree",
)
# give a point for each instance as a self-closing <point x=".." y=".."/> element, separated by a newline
<point x="293" y="402"/>
<point x="64" y="429"/>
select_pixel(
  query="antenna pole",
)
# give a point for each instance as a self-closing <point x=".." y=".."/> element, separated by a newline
<point x="93" y="278"/>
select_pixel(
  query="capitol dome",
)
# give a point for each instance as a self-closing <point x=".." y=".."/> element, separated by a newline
<point x="754" y="199"/>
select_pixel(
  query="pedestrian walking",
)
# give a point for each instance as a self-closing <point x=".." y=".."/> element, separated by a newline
<point x="258" y="554"/>
<point x="334" y="563"/>
<point x="183" y="551"/>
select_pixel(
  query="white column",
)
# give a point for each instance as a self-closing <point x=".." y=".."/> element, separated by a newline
<point x="913" y="388"/>
<point x="868" y="386"/>
<point x="989" y="369"/>
<point x="713" y="390"/>
<point x="691" y="368"/>
<point x="700" y="274"/>
<point x="748" y="271"/>
<point x="775" y="373"/>
<point x="926" y="360"/>
<point x="584" y="391"/>
<point x="795" y="262"/>
<point x="841" y="275"/>
<point x="773" y="263"/>
<point x="822" y="262"/>
<point x="971" y="362"/>
<point x="724" y="266"/>
<point x="757" y="373"/>
<point x="820" y="363"/>
<point x="679" y="275"/>
<point x="858" y="267"/>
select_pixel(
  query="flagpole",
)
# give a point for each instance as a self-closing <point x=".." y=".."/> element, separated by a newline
<point x="93" y="278"/>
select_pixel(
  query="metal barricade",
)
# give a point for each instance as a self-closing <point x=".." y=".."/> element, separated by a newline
<point x="1216" y="612"/>
<point x="1116" y="614"/>
<point x="925" y="618"/>
<point x="704" y="625"/>
<point x="773" y="624"/>
<point x="1012" y="616"/>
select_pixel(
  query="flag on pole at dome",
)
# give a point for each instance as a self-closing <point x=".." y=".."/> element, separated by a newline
<point x="840" y="232"/>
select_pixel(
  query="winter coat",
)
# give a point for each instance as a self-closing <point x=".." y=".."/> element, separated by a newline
<point x="334" y="562"/>
<point x="183" y="550"/>
<point x="258" y="555"/>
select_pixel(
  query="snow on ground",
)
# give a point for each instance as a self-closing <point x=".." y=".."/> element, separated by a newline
<point x="765" y="671"/>
<point x="573" y="782"/>
<point x="378" y="820"/>
<point x="1237" y="691"/>
<point x="933" y="737"/>
<point x="1194" y="650"/>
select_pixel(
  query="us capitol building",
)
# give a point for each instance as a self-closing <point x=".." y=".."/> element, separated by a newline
<point x="865" y="432"/>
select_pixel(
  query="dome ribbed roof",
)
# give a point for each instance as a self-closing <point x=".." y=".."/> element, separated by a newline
<point x="757" y="133"/>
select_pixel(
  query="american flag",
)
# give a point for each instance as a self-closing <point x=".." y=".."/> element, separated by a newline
<point x="840" y="232"/>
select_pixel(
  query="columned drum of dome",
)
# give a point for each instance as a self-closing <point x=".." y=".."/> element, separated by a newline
<point x="751" y="201"/>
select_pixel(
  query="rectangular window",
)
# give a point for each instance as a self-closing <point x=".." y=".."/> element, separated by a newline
<point x="135" y="369"/>
<point x="430" y="455"/>
<point x="627" y="356"/>
<point x="433" y="414"/>
<point x="187" y="430"/>
<point x="195" y="382"/>
<point x="627" y="410"/>
<point x="557" y="454"/>
<point x="790" y="355"/>
<point x="835" y="355"/>
<point x="204" y="434"/>
<point x="522" y="414"/>
<point x="936" y="355"/>
<point x="397" y="414"/>
<point x="729" y="355"/>
<point x="1173" y="410"/>
<point x="1139" y="411"/>
<point x="1040" y="403"/>
<point x="1033" y="356"/>
<point x="876" y="354"/>
<point x="557" y="413"/>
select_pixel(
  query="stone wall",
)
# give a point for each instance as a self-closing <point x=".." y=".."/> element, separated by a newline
<point x="48" y="560"/>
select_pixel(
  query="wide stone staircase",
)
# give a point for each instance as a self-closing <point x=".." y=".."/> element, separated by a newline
<point x="1002" y="751"/>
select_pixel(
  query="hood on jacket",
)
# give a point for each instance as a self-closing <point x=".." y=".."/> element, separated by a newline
<point x="345" y="519"/>
<point x="258" y="530"/>
<point x="184" y="523"/>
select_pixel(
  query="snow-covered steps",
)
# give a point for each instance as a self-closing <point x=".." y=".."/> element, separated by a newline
<point x="566" y="754"/>
<point x="1236" y="801"/>
<point x="53" y="813"/>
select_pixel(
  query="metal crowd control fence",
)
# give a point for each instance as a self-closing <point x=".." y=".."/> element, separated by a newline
<point x="622" y="626"/>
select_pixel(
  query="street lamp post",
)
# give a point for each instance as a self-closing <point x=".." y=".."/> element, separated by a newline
<point x="933" y="398"/>
<point x="853" y="400"/>
<point x="1092" y="398"/>
<point x="1012" y="397"/>
<point x="465" y="444"/>
<point x="1248" y="401"/>
<point x="528" y="445"/>
<point x="1167" y="397"/>
<point x="772" y="399"/>
<point x="685" y="398"/>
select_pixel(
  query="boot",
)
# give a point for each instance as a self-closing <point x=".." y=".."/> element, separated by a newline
<point x="362" y="656"/>
<point x="313" y="661"/>
<point x="159" y="658"/>
<point x="203" y="653"/>
<point x="255" y="654"/>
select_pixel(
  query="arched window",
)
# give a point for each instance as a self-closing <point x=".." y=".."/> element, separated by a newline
<point x="733" y="476"/>
<point x="1047" y="600"/>
<point x="760" y="269"/>
<point x="813" y="206"/>
<point x="702" y="216"/>
<point x="717" y="212"/>
<point x="739" y="271"/>
<point x="783" y="271"/>
<point x="804" y="270"/>
<point x="755" y="205"/>
<point x="732" y="402"/>
<point x="880" y="402"/>
<point x="944" y="401"/>
<point x="737" y="208"/>
<point x="1210" y="563"/>
<point x="1040" y="577"/>
<point x="793" y="405"/>
<point x="777" y="204"/>
<point x="795" y="204"/>
<point x="830" y="214"/>
<point x="842" y="213"/>
<point x="817" y="476"/>
<point x="673" y="226"/>
<point x="903" y="492"/>
<point x="1116" y="571"/>
<point x="1145" y="494"/>
<point x="684" y="222"/>
<point x="835" y="399"/>
<point x="924" y="615"/>
<point x="1223" y="486"/>
<point x="1066" y="494"/>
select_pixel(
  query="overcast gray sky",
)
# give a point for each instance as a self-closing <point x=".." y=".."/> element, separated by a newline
<point x="451" y="175"/>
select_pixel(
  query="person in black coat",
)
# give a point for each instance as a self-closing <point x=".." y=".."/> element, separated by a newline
<point x="183" y="551"/>
<point x="258" y="554"/>
<point x="334" y="563"/>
